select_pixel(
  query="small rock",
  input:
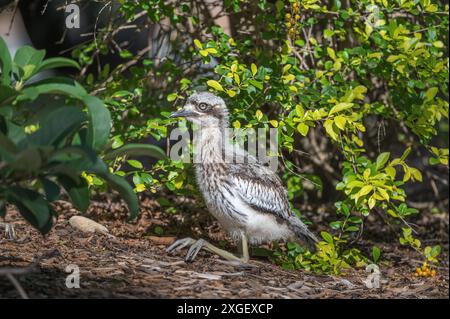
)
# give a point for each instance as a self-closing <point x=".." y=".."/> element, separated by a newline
<point x="87" y="225"/>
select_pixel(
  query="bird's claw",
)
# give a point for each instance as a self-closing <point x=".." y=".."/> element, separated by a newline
<point x="179" y="244"/>
<point x="196" y="246"/>
<point x="194" y="249"/>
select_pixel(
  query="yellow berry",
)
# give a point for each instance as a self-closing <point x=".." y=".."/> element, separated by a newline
<point x="288" y="24"/>
<point x="288" y="16"/>
<point x="433" y="273"/>
<point x="297" y="17"/>
<point x="418" y="270"/>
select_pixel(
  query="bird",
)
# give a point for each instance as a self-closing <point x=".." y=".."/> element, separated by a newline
<point x="247" y="198"/>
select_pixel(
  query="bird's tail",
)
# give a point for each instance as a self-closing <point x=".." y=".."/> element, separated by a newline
<point x="304" y="235"/>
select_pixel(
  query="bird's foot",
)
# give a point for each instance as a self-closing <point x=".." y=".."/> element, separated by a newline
<point x="197" y="245"/>
<point x="10" y="233"/>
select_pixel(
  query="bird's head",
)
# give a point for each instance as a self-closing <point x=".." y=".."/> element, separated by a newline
<point x="204" y="109"/>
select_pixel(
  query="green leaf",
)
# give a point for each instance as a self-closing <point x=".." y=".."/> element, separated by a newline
<point x="172" y="97"/>
<point x="32" y="206"/>
<point x="382" y="160"/>
<point x="431" y="93"/>
<point x="340" y="122"/>
<point x="299" y="110"/>
<point x="331" y="53"/>
<point x="57" y="62"/>
<point x="364" y="191"/>
<point x="376" y="253"/>
<point x="51" y="189"/>
<point x="303" y="128"/>
<point x="28" y="60"/>
<point x="359" y="92"/>
<point x="99" y="124"/>
<point x="416" y="174"/>
<point x="198" y="44"/>
<point x="56" y="126"/>
<point x="327" y="237"/>
<point x="215" y="85"/>
<point x="329" y="128"/>
<point x="52" y="86"/>
<point x="78" y="192"/>
<point x="136" y="150"/>
<point x="125" y="190"/>
<point x="391" y="171"/>
<point x="5" y="63"/>
<point x="6" y="93"/>
<point x="340" y="107"/>
<point x="135" y="164"/>
<point x="256" y="84"/>
<point x="259" y="115"/>
<point x="254" y="69"/>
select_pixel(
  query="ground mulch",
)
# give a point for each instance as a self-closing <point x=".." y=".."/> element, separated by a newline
<point x="132" y="262"/>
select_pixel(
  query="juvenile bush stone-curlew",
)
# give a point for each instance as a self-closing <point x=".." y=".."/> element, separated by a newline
<point x="247" y="198"/>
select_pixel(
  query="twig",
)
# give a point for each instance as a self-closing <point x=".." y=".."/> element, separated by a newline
<point x="17" y="285"/>
<point x="16" y="6"/>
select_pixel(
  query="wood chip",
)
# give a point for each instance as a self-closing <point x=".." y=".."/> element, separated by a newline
<point x="87" y="225"/>
<point x="162" y="240"/>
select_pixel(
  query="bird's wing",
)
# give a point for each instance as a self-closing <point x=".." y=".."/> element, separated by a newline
<point x="261" y="189"/>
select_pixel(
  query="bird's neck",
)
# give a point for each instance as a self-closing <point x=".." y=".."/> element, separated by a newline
<point x="210" y="143"/>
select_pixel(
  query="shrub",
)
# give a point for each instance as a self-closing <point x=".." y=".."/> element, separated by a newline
<point x="51" y="133"/>
<point x="330" y="75"/>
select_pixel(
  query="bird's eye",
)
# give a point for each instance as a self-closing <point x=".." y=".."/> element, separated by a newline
<point x="202" y="106"/>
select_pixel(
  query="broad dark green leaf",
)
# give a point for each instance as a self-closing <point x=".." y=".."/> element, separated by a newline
<point x="125" y="190"/>
<point x="28" y="59"/>
<point x="78" y="192"/>
<point x="5" y="63"/>
<point x="99" y="124"/>
<point x="56" y="126"/>
<point x="32" y="206"/>
<point x="51" y="189"/>
<point x="57" y="62"/>
<point x="27" y="161"/>
<point x="136" y="150"/>
<point x="6" y="94"/>
<point x="32" y="92"/>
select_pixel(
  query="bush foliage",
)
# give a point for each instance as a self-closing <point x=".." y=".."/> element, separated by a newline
<point x="51" y="135"/>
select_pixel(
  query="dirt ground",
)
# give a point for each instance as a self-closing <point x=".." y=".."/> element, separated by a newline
<point x="132" y="262"/>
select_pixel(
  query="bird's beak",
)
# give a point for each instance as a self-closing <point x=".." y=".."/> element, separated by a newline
<point x="180" y="113"/>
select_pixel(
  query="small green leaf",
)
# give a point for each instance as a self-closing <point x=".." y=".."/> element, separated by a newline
<point x="376" y="253"/>
<point x="327" y="237"/>
<point x="198" y="44"/>
<point x="340" y="107"/>
<point x="254" y="69"/>
<point x="215" y="85"/>
<point x="303" y="128"/>
<point x="382" y="160"/>
<point x="135" y="164"/>
<point x="340" y="122"/>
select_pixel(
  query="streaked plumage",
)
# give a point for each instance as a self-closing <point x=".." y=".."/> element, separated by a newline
<point x="247" y="198"/>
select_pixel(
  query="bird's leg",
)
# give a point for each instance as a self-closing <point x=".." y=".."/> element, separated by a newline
<point x="10" y="233"/>
<point x="243" y="248"/>
<point x="197" y="245"/>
